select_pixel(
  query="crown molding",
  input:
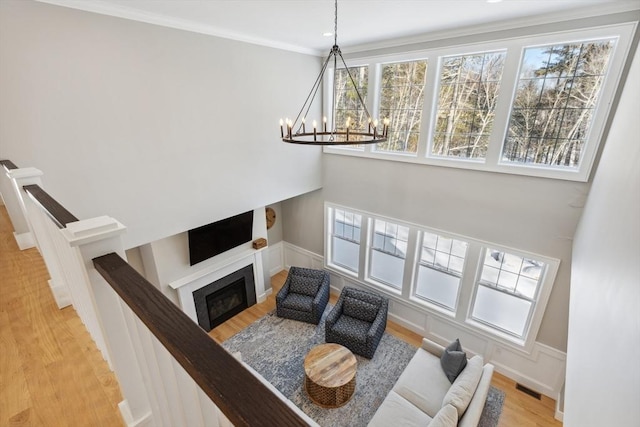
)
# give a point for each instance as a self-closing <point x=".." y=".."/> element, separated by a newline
<point x="591" y="11"/>
<point x="103" y="8"/>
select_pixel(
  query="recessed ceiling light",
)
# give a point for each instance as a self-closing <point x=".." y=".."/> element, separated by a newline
<point x="494" y="1"/>
<point x="327" y="34"/>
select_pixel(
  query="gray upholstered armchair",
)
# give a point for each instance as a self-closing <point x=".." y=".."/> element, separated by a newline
<point x="357" y="321"/>
<point x="304" y="295"/>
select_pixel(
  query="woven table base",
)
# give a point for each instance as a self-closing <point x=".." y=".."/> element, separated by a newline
<point x="329" y="397"/>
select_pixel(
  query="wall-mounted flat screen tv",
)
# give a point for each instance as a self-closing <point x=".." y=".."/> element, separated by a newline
<point x="218" y="237"/>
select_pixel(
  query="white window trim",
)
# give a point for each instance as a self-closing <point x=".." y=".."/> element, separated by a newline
<point x="369" y="248"/>
<point x="474" y="257"/>
<point x="539" y="301"/>
<point x="514" y="47"/>
<point x="414" y="279"/>
<point x="328" y="244"/>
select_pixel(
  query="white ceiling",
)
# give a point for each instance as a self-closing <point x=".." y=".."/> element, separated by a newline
<point x="299" y="24"/>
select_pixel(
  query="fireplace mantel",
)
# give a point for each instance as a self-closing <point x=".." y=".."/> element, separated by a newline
<point x="215" y="271"/>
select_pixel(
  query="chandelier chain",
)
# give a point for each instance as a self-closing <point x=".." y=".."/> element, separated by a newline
<point x="335" y="24"/>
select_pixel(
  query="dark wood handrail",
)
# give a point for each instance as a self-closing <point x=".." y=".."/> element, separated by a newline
<point x="8" y="164"/>
<point x="243" y="398"/>
<point x="58" y="214"/>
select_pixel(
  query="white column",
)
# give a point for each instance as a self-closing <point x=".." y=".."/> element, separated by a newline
<point x="95" y="237"/>
<point x="258" y="277"/>
<point x="12" y="195"/>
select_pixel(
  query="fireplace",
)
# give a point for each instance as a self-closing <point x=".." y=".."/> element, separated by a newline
<point x="224" y="298"/>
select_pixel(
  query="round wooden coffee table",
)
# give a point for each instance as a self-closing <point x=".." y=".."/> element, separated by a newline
<point x="330" y="375"/>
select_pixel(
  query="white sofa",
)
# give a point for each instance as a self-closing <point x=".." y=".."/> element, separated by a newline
<point x="424" y="396"/>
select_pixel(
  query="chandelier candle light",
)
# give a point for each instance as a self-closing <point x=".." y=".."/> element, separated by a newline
<point x="336" y="135"/>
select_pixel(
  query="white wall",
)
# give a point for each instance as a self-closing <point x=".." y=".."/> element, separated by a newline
<point x="274" y="234"/>
<point x="603" y="375"/>
<point x="274" y="256"/>
<point x="142" y="123"/>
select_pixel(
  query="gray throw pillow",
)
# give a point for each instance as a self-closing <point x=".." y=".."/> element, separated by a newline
<point x="453" y="360"/>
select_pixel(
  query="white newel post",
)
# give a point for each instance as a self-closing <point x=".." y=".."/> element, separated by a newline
<point x="95" y="237"/>
<point x="38" y="229"/>
<point x="21" y="233"/>
<point x="20" y="177"/>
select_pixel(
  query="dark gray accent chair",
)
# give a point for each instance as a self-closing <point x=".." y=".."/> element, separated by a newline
<point x="304" y="295"/>
<point x="357" y="321"/>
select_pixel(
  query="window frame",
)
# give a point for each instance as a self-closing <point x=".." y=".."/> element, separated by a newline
<point x="539" y="301"/>
<point x="433" y="118"/>
<point x="418" y="262"/>
<point x="368" y="277"/>
<point x="514" y="48"/>
<point x="377" y="101"/>
<point x="330" y="212"/>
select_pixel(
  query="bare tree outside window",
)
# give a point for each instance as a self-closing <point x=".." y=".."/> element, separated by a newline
<point x="346" y="97"/>
<point x="556" y="96"/>
<point x="469" y="86"/>
<point x="401" y="101"/>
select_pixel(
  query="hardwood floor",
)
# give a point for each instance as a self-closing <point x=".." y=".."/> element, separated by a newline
<point x="519" y="409"/>
<point x="51" y="373"/>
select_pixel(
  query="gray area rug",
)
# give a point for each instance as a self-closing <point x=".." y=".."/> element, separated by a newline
<point x="492" y="408"/>
<point x="276" y="347"/>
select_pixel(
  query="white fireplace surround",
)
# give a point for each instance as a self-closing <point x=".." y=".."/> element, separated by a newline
<point x="216" y="271"/>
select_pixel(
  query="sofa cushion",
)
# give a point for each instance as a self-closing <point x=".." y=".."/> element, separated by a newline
<point x="304" y="285"/>
<point x="351" y="329"/>
<point x="359" y="309"/>
<point x="453" y="360"/>
<point x="397" y="411"/>
<point x="298" y="302"/>
<point x="423" y="383"/>
<point x="462" y="389"/>
<point x="447" y="416"/>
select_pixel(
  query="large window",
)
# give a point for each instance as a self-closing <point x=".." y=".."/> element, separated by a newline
<point x="535" y="105"/>
<point x="388" y="249"/>
<point x="344" y="231"/>
<point x="477" y="286"/>
<point x="440" y="269"/>
<point x="402" y="100"/>
<point x="556" y="96"/>
<point x="469" y="86"/>
<point x="506" y="291"/>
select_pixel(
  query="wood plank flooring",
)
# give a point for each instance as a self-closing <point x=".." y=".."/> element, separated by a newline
<point x="51" y="373"/>
<point x="519" y="410"/>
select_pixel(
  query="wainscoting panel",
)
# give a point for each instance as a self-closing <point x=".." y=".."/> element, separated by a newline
<point x="299" y="257"/>
<point x="441" y="331"/>
<point x="408" y="317"/>
<point x="543" y="370"/>
<point x="275" y="258"/>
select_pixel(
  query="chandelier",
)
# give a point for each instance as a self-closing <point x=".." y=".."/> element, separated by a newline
<point x="298" y="132"/>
